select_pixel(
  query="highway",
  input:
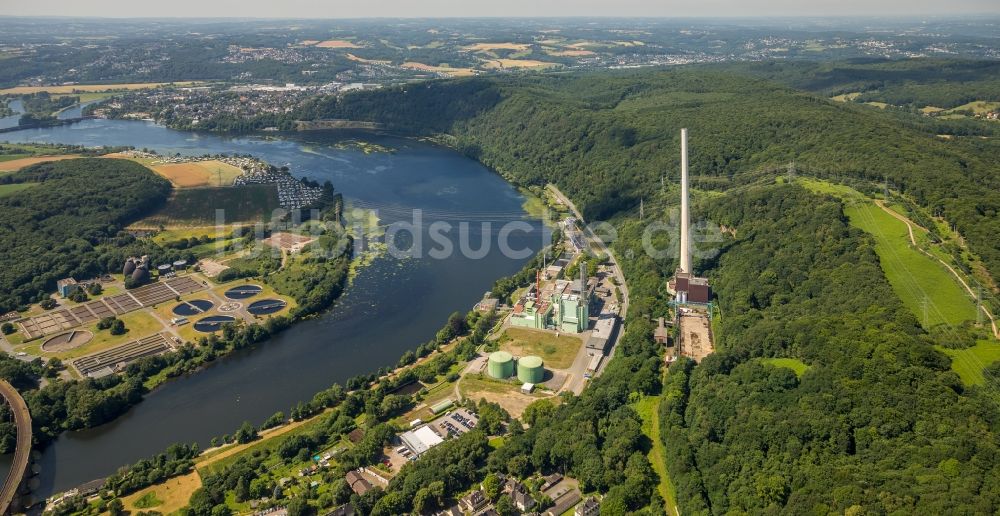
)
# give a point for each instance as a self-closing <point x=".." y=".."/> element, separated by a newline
<point x="615" y="269"/>
<point x="22" y="452"/>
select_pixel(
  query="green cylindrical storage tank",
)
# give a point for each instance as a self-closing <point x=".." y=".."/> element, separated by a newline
<point x="501" y="365"/>
<point x="530" y="369"/>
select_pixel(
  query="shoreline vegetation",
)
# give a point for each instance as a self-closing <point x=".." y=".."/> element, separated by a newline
<point x="133" y="190"/>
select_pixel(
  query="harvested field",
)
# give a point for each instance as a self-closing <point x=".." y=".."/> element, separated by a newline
<point x="570" y="53"/>
<point x="484" y="47"/>
<point x="337" y="43"/>
<point x="454" y="72"/>
<point x="17" y="164"/>
<point x="494" y="64"/>
<point x="353" y="57"/>
<point x="198" y="173"/>
<point x="21" y="90"/>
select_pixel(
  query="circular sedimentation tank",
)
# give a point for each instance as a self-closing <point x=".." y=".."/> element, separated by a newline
<point x="212" y="323"/>
<point x="243" y="291"/>
<point x="530" y="369"/>
<point x="193" y="307"/>
<point x="501" y="365"/>
<point x="266" y="306"/>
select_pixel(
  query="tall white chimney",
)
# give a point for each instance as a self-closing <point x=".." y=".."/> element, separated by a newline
<point x="685" y="244"/>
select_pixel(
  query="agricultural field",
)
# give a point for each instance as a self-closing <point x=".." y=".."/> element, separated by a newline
<point x="19" y="162"/>
<point x="198" y="173"/>
<point x="337" y="43"/>
<point x="493" y="64"/>
<point x="454" y="72"/>
<point x="969" y="363"/>
<point x="14" y="188"/>
<point x="91" y="88"/>
<point x="197" y="206"/>
<point x="486" y="47"/>
<point x="558" y="352"/>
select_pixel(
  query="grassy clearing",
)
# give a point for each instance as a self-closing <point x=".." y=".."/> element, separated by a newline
<point x="918" y="279"/>
<point x="224" y="457"/>
<point x="14" y="188"/>
<point x="148" y="500"/>
<point x="970" y="362"/>
<point x="197" y="206"/>
<point x="558" y="352"/>
<point x="166" y="497"/>
<point x="139" y="324"/>
<point x="796" y="365"/>
<point x="507" y="395"/>
<point x="926" y="288"/>
<point x="979" y="107"/>
<point x="175" y="234"/>
<point x="648" y="409"/>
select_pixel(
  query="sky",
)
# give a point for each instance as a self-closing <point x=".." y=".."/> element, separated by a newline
<point x="502" y="8"/>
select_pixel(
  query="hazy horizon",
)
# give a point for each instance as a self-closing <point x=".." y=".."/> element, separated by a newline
<point x="299" y="9"/>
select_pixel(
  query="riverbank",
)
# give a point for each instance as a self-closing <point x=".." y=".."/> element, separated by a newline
<point x="374" y="322"/>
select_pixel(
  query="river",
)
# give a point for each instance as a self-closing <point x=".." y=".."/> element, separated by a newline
<point x="11" y="121"/>
<point x="393" y="304"/>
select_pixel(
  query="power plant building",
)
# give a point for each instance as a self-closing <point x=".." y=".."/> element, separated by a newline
<point x="687" y="287"/>
<point x="561" y="305"/>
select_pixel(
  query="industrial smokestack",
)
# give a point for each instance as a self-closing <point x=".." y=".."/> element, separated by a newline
<point x="685" y="244"/>
<point x="583" y="277"/>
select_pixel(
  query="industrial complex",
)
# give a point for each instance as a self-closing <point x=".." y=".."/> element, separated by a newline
<point x="692" y="294"/>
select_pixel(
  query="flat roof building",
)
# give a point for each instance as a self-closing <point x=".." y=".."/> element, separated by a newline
<point x="421" y="439"/>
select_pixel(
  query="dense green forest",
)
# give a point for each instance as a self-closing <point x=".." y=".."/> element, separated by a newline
<point x="70" y="224"/>
<point x="607" y="139"/>
<point x="877" y="422"/>
<point x="945" y="83"/>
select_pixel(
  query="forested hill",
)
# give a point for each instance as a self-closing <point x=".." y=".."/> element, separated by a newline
<point x="607" y="139"/>
<point x="66" y="223"/>
<point x="876" y="424"/>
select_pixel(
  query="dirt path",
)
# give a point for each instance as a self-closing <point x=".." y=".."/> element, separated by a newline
<point x="909" y="228"/>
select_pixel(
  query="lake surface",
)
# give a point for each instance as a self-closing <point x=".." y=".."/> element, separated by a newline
<point x="393" y="304"/>
<point x="11" y="121"/>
